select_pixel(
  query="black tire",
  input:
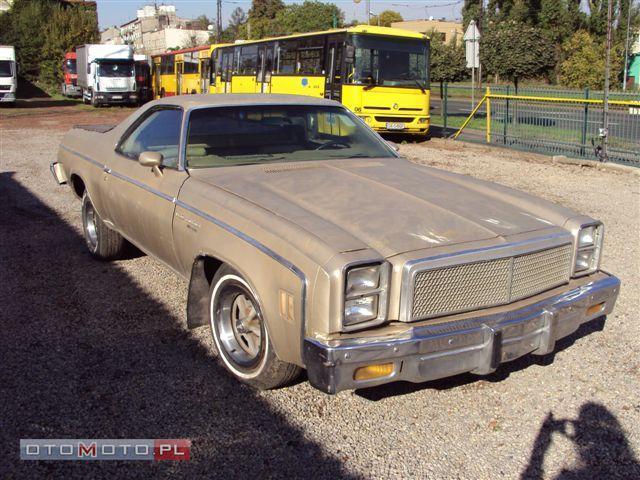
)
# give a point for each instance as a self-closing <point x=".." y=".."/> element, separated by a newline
<point x="102" y="242"/>
<point x="262" y="370"/>
<point x="94" y="100"/>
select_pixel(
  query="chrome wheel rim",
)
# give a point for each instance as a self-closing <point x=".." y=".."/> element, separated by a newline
<point x="238" y="325"/>
<point x="89" y="222"/>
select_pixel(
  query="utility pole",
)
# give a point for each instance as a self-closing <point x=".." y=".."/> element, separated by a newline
<point x="368" y="5"/>
<point x="219" y="21"/>
<point x="626" y="48"/>
<point x="480" y="31"/>
<point x="604" y="156"/>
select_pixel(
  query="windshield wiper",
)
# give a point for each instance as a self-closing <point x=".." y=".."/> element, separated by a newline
<point x="419" y="84"/>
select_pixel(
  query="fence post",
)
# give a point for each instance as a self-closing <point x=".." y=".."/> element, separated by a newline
<point x="585" y="124"/>
<point x="488" y="119"/>
<point x="506" y="118"/>
<point x="444" y="106"/>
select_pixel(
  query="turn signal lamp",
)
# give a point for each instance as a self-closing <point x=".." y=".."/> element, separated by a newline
<point x="373" y="371"/>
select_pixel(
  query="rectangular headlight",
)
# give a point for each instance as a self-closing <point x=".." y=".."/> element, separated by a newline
<point x="365" y="294"/>
<point x="588" y="249"/>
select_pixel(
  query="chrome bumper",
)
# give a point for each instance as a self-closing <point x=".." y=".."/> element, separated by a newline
<point x="476" y="345"/>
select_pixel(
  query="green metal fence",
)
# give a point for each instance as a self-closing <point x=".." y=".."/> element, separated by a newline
<point x="544" y="120"/>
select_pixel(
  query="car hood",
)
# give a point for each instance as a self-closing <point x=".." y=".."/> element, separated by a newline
<point x="390" y="204"/>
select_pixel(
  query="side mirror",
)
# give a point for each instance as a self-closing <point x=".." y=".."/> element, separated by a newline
<point x="393" y="145"/>
<point x="150" y="159"/>
<point x="153" y="160"/>
<point x="349" y="53"/>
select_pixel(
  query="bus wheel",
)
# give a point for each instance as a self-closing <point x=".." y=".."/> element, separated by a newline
<point x="193" y="91"/>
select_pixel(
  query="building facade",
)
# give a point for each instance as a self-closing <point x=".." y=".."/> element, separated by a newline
<point x="447" y="30"/>
<point x="145" y="31"/>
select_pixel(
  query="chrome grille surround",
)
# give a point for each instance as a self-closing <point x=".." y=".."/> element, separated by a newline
<point x="485" y="277"/>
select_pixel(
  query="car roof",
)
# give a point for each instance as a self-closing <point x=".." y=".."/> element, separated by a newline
<point x="235" y="99"/>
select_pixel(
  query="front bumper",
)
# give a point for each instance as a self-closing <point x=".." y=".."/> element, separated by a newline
<point x="476" y="345"/>
<point x="7" y="97"/>
<point x="414" y="127"/>
<point x="116" y="98"/>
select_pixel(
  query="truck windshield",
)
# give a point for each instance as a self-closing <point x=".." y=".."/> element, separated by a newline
<point x="261" y="134"/>
<point x="390" y="62"/>
<point x="115" y="69"/>
<point x="70" y="66"/>
<point x="6" y="69"/>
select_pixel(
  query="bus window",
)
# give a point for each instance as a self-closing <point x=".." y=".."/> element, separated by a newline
<point x="287" y="58"/>
<point x="190" y="62"/>
<point x="248" y="60"/>
<point x="166" y="65"/>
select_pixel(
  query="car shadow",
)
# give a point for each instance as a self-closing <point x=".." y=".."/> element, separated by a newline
<point x="502" y="373"/>
<point x="601" y="444"/>
<point x="88" y="353"/>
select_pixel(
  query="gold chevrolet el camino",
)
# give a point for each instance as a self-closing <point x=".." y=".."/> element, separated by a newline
<point x="309" y="243"/>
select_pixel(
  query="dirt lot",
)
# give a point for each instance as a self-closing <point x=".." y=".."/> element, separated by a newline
<point x="100" y="350"/>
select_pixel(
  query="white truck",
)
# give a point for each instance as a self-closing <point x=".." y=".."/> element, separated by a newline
<point x="8" y="74"/>
<point x="106" y="74"/>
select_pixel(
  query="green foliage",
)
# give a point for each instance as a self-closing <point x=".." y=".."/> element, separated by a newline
<point x="447" y="61"/>
<point x="386" y="18"/>
<point x="584" y="62"/>
<point x="470" y="11"/>
<point x="310" y="16"/>
<point x="516" y="51"/>
<point x="42" y="32"/>
<point x="262" y="16"/>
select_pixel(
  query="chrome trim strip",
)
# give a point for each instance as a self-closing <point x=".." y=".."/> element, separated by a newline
<point x="412" y="267"/>
<point x="250" y="240"/>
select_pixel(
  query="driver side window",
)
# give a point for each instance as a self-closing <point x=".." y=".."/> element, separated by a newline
<point x="158" y="132"/>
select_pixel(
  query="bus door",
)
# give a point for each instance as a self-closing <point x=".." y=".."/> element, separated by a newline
<point x="227" y="69"/>
<point x="204" y="75"/>
<point x="157" y="83"/>
<point x="179" y="72"/>
<point x="265" y="68"/>
<point x="333" y="73"/>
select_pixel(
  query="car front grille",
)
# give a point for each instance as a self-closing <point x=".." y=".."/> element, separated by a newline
<point x="394" y="119"/>
<point x="460" y="288"/>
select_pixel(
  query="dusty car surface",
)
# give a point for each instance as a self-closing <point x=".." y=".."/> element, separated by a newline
<point x="309" y="243"/>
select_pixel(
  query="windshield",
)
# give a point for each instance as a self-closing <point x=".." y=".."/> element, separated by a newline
<point x="6" y="69"/>
<point x="70" y="66"/>
<point x="220" y="137"/>
<point x="115" y="69"/>
<point x="390" y="62"/>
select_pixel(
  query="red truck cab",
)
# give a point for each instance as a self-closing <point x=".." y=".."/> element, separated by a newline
<point x="70" y="76"/>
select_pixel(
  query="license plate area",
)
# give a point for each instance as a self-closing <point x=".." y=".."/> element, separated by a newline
<point x="395" y="126"/>
<point x="117" y="97"/>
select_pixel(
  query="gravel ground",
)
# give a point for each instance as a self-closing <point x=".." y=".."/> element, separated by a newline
<point x="100" y="350"/>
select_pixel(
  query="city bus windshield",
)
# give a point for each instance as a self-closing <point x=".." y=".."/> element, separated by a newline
<point x="115" y="69"/>
<point x="390" y="62"/>
<point x="5" y="68"/>
<point x="229" y="136"/>
<point x="70" y="66"/>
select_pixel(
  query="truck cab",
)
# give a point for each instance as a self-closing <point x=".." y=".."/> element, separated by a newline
<point x="70" y="86"/>
<point x="8" y="74"/>
<point x="106" y="74"/>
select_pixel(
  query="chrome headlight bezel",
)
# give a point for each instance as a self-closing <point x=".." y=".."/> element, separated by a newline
<point x="587" y="238"/>
<point x="353" y="292"/>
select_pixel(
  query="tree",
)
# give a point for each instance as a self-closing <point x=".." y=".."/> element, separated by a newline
<point x="202" y="22"/>
<point x="386" y="18"/>
<point x="44" y="31"/>
<point x="516" y="51"/>
<point x="310" y="16"/>
<point x="237" y="26"/>
<point x="584" y="62"/>
<point x="470" y="11"/>
<point x="447" y="63"/>
<point x="262" y="16"/>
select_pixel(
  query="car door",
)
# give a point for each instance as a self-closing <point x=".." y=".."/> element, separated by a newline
<point x="141" y="198"/>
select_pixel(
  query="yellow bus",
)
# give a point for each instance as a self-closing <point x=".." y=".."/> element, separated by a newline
<point x="182" y="72"/>
<point x="381" y="74"/>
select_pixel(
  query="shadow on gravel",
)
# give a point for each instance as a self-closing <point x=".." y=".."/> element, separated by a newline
<point x="502" y="373"/>
<point x="601" y="444"/>
<point x="86" y="353"/>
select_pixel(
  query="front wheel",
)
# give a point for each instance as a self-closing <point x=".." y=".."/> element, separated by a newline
<point x="102" y="242"/>
<point x="240" y="335"/>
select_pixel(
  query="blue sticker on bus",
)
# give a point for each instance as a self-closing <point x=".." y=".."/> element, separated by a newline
<point x="305" y="82"/>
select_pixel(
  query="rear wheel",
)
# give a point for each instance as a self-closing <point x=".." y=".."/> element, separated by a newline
<point x="240" y="335"/>
<point x="102" y="242"/>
